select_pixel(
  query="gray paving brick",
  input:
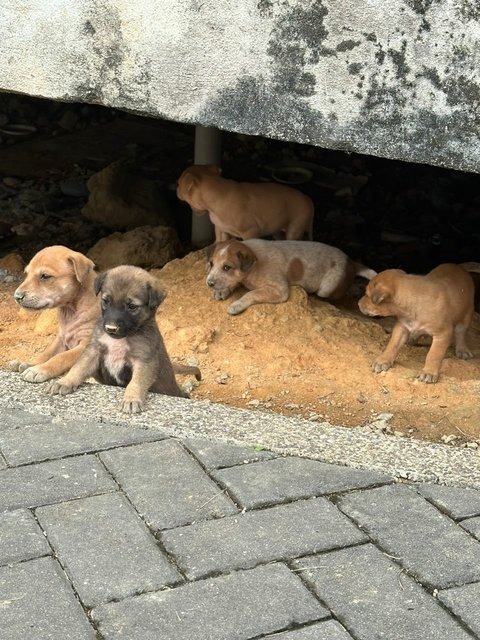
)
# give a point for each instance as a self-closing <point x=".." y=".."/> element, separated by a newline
<point x="457" y="502"/>
<point x="285" y="479"/>
<point x="328" y="630"/>
<point x="37" y="602"/>
<point x="20" y="537"/>
<point x="372" y="598"/>
<point x="48" y="482"/>
<point x="277" y="533"/>
<point x="465" y="603"/>
<point x="166" y="485"/>
<point x="426" y="542"/>
<point x="105" y="548"/>
<point x="242" y="605"/>
<point x="17" y="418"/>
<point x="472" y="525"/>
<point x="218" y="454"/>
<point x="37" y="442"/>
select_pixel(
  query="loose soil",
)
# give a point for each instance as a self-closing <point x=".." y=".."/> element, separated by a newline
<point x="304" y="357"/>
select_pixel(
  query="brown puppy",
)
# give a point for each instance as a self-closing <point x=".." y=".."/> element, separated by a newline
<point x="439" y="304"/>
<point x="246" y="209"/>
<point x="60" y="278"/>
<point x="126" y="348"/>
<point x="268" y="268"/>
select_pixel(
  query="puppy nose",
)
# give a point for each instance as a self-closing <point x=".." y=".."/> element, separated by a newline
<point x="210" y="283"/>
<point x="19" y="295"/>
<point x="112" y="328"/>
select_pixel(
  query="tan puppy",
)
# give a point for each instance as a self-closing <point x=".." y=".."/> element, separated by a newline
<point x="246" y="209"/>
<point x="60" y="278"/>
<point x="126" y="348"/>
<point x="439" y="304"/>
<point x="268" y="268"/>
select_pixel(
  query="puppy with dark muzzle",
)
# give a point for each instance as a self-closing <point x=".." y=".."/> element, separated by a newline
<point x="126" y="348"/>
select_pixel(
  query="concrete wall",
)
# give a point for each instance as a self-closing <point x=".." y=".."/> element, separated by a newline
<point x="394" y="78"/>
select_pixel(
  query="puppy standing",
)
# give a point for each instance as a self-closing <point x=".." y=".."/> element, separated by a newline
<point x="246" y="209"/>
<point x="439" y="304"/>
<point x="58" y="277"/>
<point x="126" y="348"/>
<point x="268" y="268"/>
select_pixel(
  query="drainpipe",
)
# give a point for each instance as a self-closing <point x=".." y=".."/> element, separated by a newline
<point x="208" y="143"/>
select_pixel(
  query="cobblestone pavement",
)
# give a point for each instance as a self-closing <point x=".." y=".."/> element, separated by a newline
<point x="116" y="531"/>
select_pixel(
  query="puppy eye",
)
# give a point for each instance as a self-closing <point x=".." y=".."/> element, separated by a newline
<point x="105" y="300"/>
<point x="132" y="307"/>
<point x="210" y="264"/>
<point x="226" y="267"/>
<point x="45" y="276"/>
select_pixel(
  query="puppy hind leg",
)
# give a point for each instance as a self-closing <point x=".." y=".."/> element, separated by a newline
<point x="435" y="355"/>
<point x="461" y="349"/>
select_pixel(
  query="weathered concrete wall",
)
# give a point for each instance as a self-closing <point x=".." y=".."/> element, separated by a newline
<point x="394" y="78"/>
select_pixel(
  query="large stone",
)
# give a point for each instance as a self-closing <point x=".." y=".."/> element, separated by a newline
<point x="120" y="197"/>
<point x="397" y="79"/>
<point x="146" y="247"/>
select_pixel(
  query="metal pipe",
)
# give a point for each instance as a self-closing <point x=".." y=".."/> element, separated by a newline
<point x="208" y="143"/>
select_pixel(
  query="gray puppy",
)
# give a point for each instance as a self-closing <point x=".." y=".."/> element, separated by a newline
<point x="126" y="348"/>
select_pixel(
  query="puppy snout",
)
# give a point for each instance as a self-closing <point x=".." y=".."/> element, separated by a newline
<point x="210" y="282"/>
<point x="19" y="295"/>
<point x="112" y="329"/>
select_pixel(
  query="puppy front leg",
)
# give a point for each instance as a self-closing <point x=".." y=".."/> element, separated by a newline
<point x="267" y="293"/>
<point x="143" y="377"/>
<point x="398" y="338"/>
<point x="85" y="367"/>
<point x="55" y="366"/>
<point x="435" y="355"/>
<point x="52" y="349"/>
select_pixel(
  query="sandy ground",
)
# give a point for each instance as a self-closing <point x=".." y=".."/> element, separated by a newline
<point x="302" y="358"/>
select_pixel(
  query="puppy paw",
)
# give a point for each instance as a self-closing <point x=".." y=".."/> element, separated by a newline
<point x="57" y="387"/>
<point x="35" y="374"/>
<point x="429" y="378"/>
<point x="221" y="294"/>
<point x="378" y="366"/>
<point x="133" y="406"/>
<point x="236" y="307"/>
<point x="17" y="365"/>
<point x="464" y="354"/>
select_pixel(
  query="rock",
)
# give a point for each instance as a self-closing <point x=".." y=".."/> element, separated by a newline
<point x="119" y="197"/>
<point x="24" y="229"/>
<point x="68" y="120"/>
<point x="74" y="186"/>
<point x="12" y="263"/>
<point x="146" y="247"/>
<point x="9" y="181"/>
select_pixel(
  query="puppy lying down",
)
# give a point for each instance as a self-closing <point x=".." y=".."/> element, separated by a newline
<point x="268" y="268"/>
<point x="126" y="348"/>
<point x="439" y="304"/>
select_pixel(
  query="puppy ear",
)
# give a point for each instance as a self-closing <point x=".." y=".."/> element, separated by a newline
<point x="155" y="296"/>
<point x="246" y="258"/>
<point x="188" y="182"/>
<point x="212" y="169"/>
<point x="99" y="280"/>
<point x="209" y="251"/>
<point x="379" y="294"/>
<point x="81" y="265"/>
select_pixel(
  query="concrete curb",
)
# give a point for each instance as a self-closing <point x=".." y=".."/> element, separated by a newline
<point x="403" y="458"/>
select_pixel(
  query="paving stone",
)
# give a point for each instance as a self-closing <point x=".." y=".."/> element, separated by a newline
<point x="328" y="630"/>
<point x="285" y="479"/>
<point x="37" y="602"/>
<point x="48" y="482"/>
<point x="39" y="441"/>
<point x="456" y="502"/>
<point x="218" y="454"/>
<point x="20" y="537"/>
<point x="3" y="464"/>
<point x="464" y="602"/>
<point x="425" y="541"/>
<point x="105" y="548"/>
<point x="242" y="605"/>
<point x="277" y="533"/>
<point x="166" y="485"/>
<point x="17" y="418"/>
<point x="472" y="525"/>
<point x="372" y="598"/>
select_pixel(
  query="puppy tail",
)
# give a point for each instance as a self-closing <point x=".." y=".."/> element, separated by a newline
<point x="473" y="267"/>
<point x="184" y="369"/>
<point x="363" y="271"/>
